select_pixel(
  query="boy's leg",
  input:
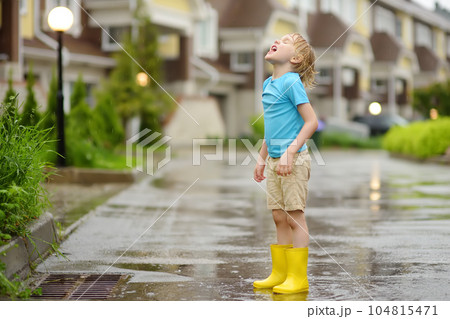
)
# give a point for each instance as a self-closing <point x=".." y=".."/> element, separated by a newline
<point x="284" y="232"/>
<point x="299" y="228"/>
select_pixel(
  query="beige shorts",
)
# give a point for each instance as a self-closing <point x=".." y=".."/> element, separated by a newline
<point x="288" y="192"/>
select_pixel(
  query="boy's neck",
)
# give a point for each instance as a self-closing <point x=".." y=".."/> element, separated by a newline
<point x="281" y="69"/>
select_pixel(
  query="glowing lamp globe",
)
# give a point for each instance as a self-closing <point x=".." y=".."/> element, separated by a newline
<point x="60" y="19"/>
<point x="375" y="108"/>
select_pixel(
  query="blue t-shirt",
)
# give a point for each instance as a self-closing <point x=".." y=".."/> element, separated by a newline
<point x="282" y="121"/>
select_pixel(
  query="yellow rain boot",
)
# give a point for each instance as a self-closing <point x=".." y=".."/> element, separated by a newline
<point x="296" y="280"/>
<point x="278" y="274"/>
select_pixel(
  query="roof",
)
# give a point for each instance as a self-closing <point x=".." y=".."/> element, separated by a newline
<point x="326" y="30"/>
<point x="384" y="47"/>
<point x="245" y="13"/>
<point x="81" y="46"/>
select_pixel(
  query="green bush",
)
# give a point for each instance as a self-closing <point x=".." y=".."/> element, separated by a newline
<point x="419" y="139"/>
<point x="436" y="95"/>
<point x="333" y="139"/>
<point x="22" y="198"/>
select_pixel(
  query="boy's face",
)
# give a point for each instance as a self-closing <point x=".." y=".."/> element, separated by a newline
<point x="282" y="51"/>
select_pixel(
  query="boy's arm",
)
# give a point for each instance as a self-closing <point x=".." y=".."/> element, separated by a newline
<point x="286" y="161"/>
<point x="258" y="173"/>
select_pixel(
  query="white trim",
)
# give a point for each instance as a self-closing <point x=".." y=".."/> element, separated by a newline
<point x="241" y="67"/>
<point x="23" y="7"/>
<point x="50" y="55"/>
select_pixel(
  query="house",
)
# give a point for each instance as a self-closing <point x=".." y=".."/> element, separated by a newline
<point x="213" y="53"/>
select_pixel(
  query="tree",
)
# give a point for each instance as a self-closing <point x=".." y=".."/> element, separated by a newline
<point x="50" y="114"/>
<point x="10" y="108"/>
<point x="30" y="115"/>
<point x="436" y="96"/>
<point x="149" y="101"/>
<point x="78" y="95"/>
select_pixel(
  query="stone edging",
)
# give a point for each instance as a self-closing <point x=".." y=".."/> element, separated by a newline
<point x="20" y="252"/>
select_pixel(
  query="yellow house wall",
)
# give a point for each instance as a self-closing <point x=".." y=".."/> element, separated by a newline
<point x="364" y="83"/>
<point x="440" y="43"/>
<point x="179" y="5"/>
<point x="27" y="21"/>
<point x="284" y="3"/>
<point x="407" y="25"/>
<point x="283" y="27"/>
<point x="362" y="25"/>
<point x="406" y="63"/>
<point x="355" y="49"/>
<point x="169" y="46"/>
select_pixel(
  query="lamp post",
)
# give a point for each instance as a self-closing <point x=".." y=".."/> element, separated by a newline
<point x="60" y="19"/>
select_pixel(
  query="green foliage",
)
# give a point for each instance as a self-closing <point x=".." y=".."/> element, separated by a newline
<point x="257" y="126"/>
<point x="30" y="115"/>
<point x="343" y="140"/>
<point x="22" y="198"/>
<point x="436" y="96"/>
<point x="10" y="96"/>
<point x="78" y="96"/>
<point x="49" y="118"/>
<point x="108" y="122"/>
<point x="14" y="289"/>
<point x="420" y="139"/>
<point x="92" y="135"/>
<point x="130" y="99"/>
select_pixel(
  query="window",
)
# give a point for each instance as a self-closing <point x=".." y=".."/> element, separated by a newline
<point x="324" y="77"/>
<point x="385" y="21"/>
<point x="111" y="36"/>
<point x="74" y="6"/>
<point x="379" y="86"/>
<point x="23" y="6"/>
<point x="241" y="61"/>
<point x="345" y="9"/>
<point x="206" y="35"/>
<point x="398" y="28"/>
<point x="424" y="35"/>
<point x="448" y="45"/>
<point x="305" y="5"/>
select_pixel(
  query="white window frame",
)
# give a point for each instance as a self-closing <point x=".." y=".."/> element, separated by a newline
<point x="423" y="35"/>
<point x="324" y="79"/>
<point x="76" y="28"/>
<point x="108" y="44"/>
<point x="238" y="66"/>
<point x="447" y="40"/>
<point x="206" y="35"/>
<point x="345" y="9"/>
<point x="23" y="7"/>
<point x="385" y="21"/>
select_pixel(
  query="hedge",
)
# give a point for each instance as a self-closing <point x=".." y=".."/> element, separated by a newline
<point x="419" y="139"/>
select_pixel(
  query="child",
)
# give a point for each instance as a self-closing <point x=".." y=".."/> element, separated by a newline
<point x="289" y="121"/>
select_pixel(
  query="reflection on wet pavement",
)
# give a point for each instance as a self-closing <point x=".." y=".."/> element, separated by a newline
<point x="379" y="229"/>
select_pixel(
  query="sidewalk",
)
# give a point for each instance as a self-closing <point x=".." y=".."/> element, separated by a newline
<point x="379" y="229"/>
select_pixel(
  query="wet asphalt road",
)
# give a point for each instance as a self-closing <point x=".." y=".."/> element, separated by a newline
<point x="380" y="229"/>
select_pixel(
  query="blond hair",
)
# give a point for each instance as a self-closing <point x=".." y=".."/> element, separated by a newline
<point x="306" y="67"/>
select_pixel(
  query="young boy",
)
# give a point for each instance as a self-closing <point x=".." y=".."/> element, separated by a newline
<point x="289" y="121"/>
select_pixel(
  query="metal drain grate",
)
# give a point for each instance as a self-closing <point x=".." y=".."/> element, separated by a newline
<point x="77" y="287"/>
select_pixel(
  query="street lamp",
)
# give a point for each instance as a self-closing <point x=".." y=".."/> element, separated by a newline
<point x="60" y="19"/>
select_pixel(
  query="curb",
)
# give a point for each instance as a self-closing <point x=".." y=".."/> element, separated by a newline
<point x="21" y="253"/>
<point x="91" y="176"/>
<point x="442" y="160"/>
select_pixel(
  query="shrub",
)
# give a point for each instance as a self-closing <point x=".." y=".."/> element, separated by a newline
<point x="22" y="198"/>
<point x="30" y="115"/>
<point x="420" y="139"/>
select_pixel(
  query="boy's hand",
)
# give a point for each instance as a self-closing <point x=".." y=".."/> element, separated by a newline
<point x="284" y="166"/>
<point x="258" y="174"/>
